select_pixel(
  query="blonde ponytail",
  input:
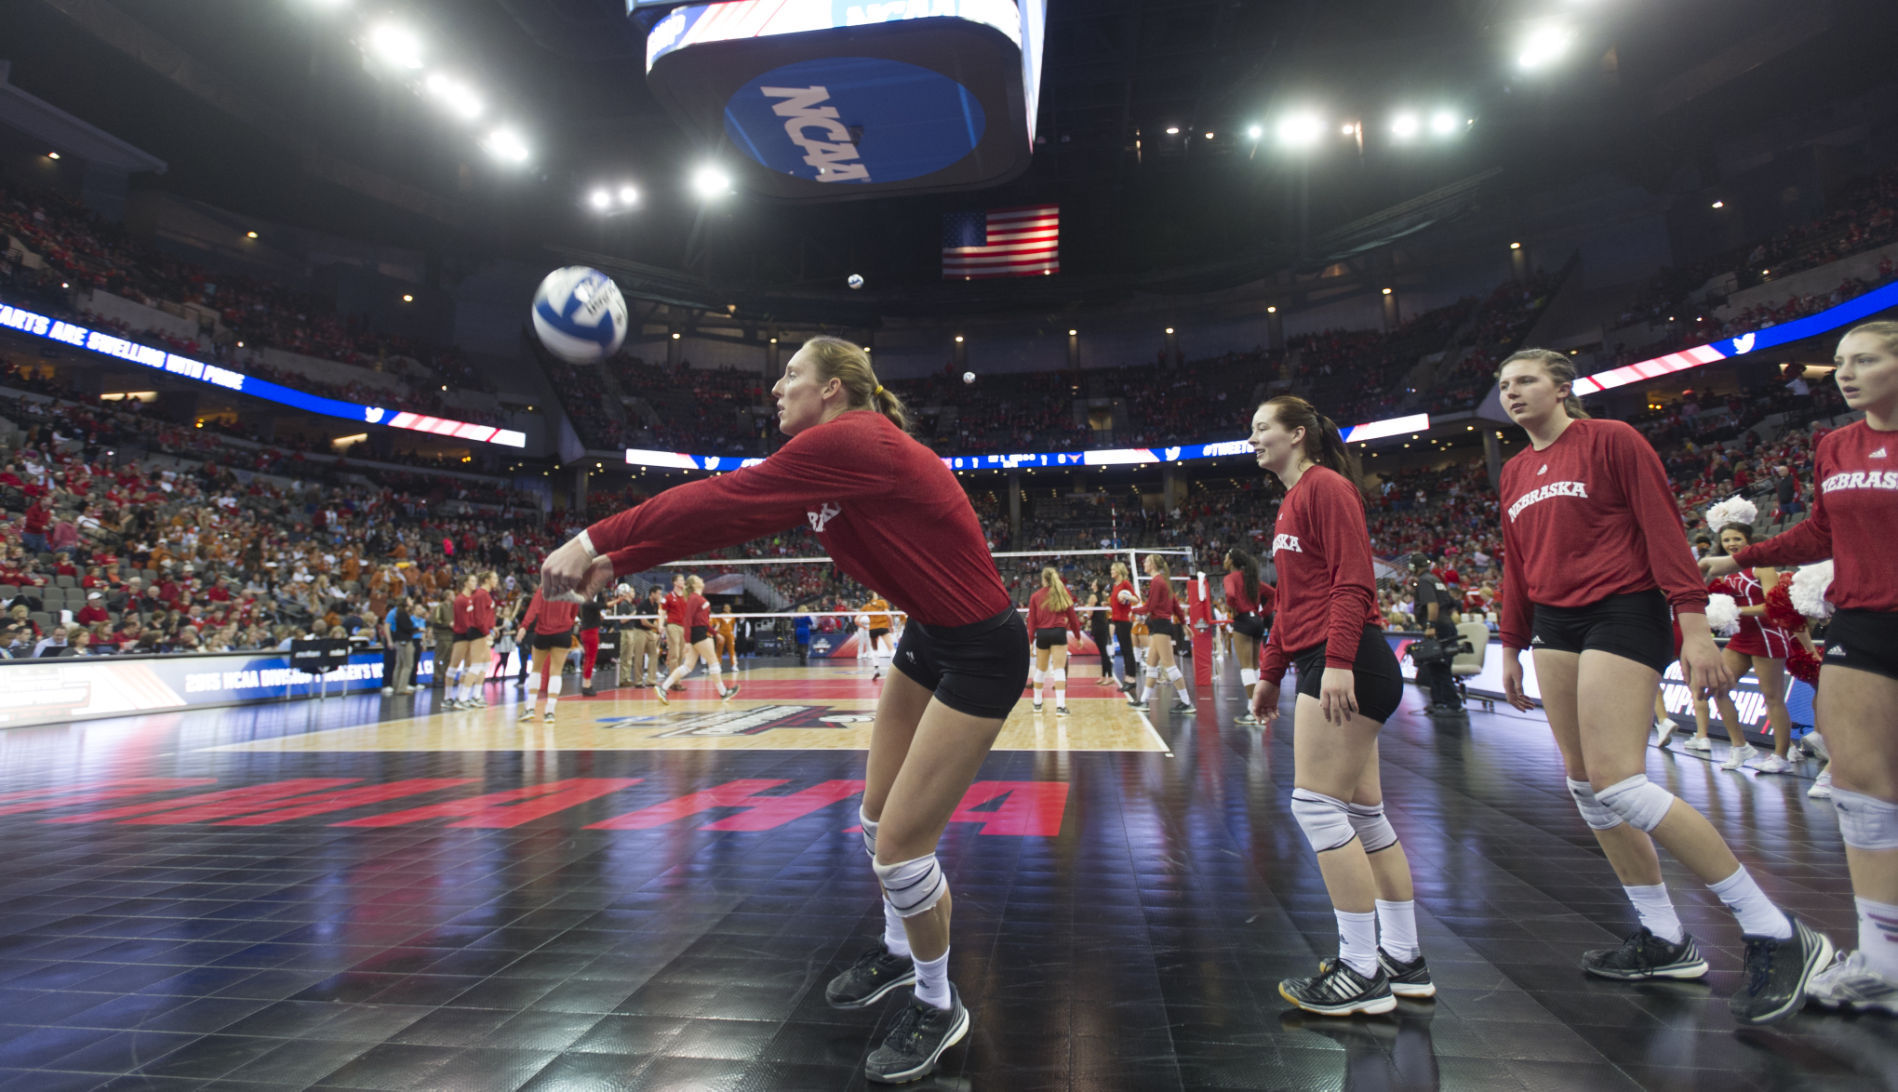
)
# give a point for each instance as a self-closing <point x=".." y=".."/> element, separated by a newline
<point x="1058" y="598"/>
<point x="847" y="363"/>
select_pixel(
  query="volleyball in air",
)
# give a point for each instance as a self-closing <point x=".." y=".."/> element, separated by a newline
<point x="968" y="377"/>
<point x="579" y="315"/>
<point x="855" y="280"/>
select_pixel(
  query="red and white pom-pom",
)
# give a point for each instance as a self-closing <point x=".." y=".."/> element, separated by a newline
<point x="1809" y="589"/>
<point x="1780" y="612"/>
<point x="1723" y="615"/>
<point x="1731" y="511"/>
<point x="1803" y="665"/>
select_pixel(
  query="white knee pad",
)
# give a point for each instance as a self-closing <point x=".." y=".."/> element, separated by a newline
<point x="1638" y="801"/>
<point x="869" y="835"/>
<point x="1326" y="820"/>
<point x="1373" y="829"/>
<point x="1866" y="822"/>
<point x="1034" y="677"/>
<point x="1173" y="673"/>
<point x="912" y="887"/>
<point x="1248" y="677"/>
<point x="1058" y="680"/>
<point x="1593" y="813"/>
<point x="553" y="687"/>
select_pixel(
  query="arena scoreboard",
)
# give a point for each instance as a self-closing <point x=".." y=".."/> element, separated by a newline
<point x="827" y="100"/>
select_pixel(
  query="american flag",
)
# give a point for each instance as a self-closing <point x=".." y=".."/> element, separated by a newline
<point x="1019" y="242"/>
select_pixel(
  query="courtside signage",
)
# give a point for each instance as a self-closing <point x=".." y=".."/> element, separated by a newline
<point x="107" y="344"/>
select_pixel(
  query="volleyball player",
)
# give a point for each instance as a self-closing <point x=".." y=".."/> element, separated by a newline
<point x="460" y="663"/>
<point x="1242" y="586"/>
<point x="592" y="616"/>
<point x="698" y="615"/>
<point x="480" y="635"/>
<point x="1591" y="537"/>
<point x="1051" y="616"/>
<point x="725" y="637"/>
<point x="675" y="627"/>
<point x="1329" y="627"/>
<point x="894" y="518"/>
<point x="551" y="623"/>
<point x="1761" y="647"/>
<point x="1164" y="616"/>
<point x="877" y="622"/>
<point x="1121" y="599"/>
<point x="1854" y="512"/>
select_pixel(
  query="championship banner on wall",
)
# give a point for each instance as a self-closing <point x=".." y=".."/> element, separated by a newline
<point x="50" y="691"/>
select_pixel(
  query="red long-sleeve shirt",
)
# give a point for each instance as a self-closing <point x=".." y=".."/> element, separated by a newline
<point x="1854" y="520"/>
<point x="1590" y="516"/>
<point x="885" y="507"/>
<point x="1041" y="617"/>
<point x="1237" y="601"/>
<point x="1327" y="594"/>
<point x="1160" y="603"/>
<point x="483" y="609"/>
<point x="464" y="613"/>
<point x="1122" y="609"/>
<point x="549" y="619"/>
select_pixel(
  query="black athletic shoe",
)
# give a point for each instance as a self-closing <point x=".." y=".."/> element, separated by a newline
<point x="1407" y="979"/>
<point x="865" y="982"/>
<point x="1138" y="706"/>
<point x="1182" y="707"/>
<point x="586" y="691"/>
<point x="1337" y="990"/>
<point x="922" y="1033"/>
<point x="1644" y="955"/>
<point x="1777" y="972"/>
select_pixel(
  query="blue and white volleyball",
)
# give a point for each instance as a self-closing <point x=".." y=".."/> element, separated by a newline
<point x="856" y="280"/>
<point x="579" y="315"/>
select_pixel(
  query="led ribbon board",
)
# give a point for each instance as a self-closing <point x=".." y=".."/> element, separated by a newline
<point x="107" y="344"/>
<point x="1844" y="314"/>
<point x="1119" y="456"/>
<point x="833" y="100"/>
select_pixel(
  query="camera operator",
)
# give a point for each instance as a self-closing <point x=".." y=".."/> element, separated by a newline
<point x="1436" y="615"/>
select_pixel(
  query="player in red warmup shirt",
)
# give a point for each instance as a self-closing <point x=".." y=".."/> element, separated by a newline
<point x="698" y="645"/>
<point x="893" y="518"/>
<point x="1329" y="627"/>
<point x="1854" y="521"/>
<point x="1164" y="618"/>
<point x="1051" y="615"/>
<point x="1245" y="596"/>
<point x="1593" y="555"/>
<point x="1121" y="599"/>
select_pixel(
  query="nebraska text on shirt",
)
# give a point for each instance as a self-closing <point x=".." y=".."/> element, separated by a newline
<point x="1285" y="542"/>
<point x="1862" y="479"/>
<point x="1553" y="489"/>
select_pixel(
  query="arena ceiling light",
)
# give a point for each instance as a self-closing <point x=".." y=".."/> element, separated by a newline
<point x="711" y="182"/>
<point x="454" y="96"/>
<point x="628" y="196"/>
<point x="396" y="45"/>
<point x="505" y="144"/>
<point x="1443" y="123"/>
<point x="1543" y="45"/>
<point x="600" y="199"/>
<point x="1406" y="126"/>
<point x="1255" y="132"/>
<point x="1300" y="130"/>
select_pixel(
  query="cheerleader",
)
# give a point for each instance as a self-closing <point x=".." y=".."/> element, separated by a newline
<point x="1854" y="513"/>
<point x="1591" y="537"/>
<point x="1051" y="616"/>
<point x="1243" y="595"/>
<point x="1164" y="618"/>
<point x="698" y="645"/>
<point x="893" y="517"/>
<point x="1349" y="684"/>
<point x="1758" y="646"/>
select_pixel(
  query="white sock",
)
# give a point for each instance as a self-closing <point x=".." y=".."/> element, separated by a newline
<point x="1757" y="915"/>
<point x="1878" y="936"/>
<point x="553" y="692"/>
<point x="932" y="980"/>
<point x="1179" y="686"/>
<point x="1656" y="910"/>
<point x="1357" y="941"/>
<point x="1397" y="929"/>
<point x="718" y="680"/>
<point x="1149" y="679"/>
<point x="894" y="936"/>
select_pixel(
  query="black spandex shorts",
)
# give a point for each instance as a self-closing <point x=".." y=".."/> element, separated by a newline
<point x="1865" y="640"/>
<point x="978" y="669"/>
<point x="879" y="634"/>
<point x="553" y="641"/>
<point x="1374" y="674"/>
<point x="470" y="635"/>
<point x="1249" y="625"/>
<point x="701" y="633"/>
<point x="1634" y="626"/>
<point x="1048" y="638"/>
<point x="1164" y="628"/>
